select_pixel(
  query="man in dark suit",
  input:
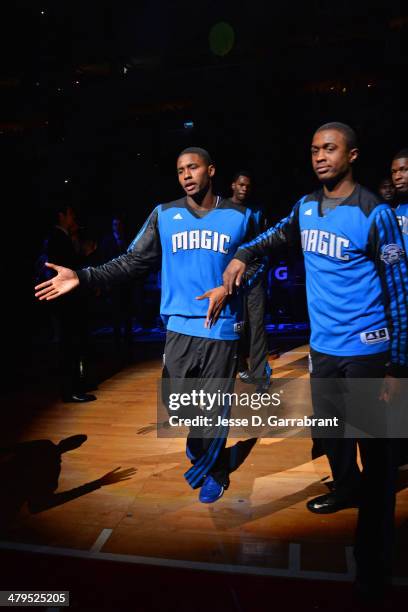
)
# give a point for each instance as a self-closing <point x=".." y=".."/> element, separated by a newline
<point x="69" y="314"/>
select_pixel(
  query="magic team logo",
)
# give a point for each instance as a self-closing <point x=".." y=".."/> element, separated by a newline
<point x="392" y="254"/>
<point x="200" y="239"/>
<point x="325" y="243"/>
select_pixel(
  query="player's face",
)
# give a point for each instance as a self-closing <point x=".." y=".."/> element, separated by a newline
<point x="194" y="174"/>
<point x="241" y="188"/>
<point x="386" y="190"/>
<point x="399" y="174"/>
<point x="331" y="157"/>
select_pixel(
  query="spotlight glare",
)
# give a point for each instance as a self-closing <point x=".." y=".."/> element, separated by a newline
<point x="221" y="38"/>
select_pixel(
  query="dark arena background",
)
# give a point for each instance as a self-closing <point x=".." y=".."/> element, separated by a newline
<point x="96" y="101"/>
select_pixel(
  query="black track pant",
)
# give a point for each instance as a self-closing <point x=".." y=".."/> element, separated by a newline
<point x="202" y="359"/>
<point x="254" y="342"/>
<point x="376" y="484"/>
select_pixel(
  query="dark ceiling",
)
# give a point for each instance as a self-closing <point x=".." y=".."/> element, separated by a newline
<point x="97" y="93"/>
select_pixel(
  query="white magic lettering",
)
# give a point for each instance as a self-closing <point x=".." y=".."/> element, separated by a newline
<point x="325" y="243"/>
<point x="200" y="239"/>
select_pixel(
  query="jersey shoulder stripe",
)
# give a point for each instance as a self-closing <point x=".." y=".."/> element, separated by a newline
<point x="224" y="204"/>
<point x="180" y="203"/>
<point x="361" y="197"/>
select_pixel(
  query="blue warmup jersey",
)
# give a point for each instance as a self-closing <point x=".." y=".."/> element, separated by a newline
<point x="194" y="253"/>
<point x="356" y="273"/>
<point x="401" y="212"/>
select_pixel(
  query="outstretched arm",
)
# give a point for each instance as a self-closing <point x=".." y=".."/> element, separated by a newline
<point x="143" y="254"/>
<point x="286" y="232"/>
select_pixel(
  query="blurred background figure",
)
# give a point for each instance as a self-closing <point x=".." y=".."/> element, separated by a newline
<point x="70" y="314"/>
<point x="386" y="190"/>
<point x="253" y="366"/>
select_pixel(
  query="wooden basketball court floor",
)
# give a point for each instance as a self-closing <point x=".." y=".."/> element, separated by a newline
<point x="260" y="526"/>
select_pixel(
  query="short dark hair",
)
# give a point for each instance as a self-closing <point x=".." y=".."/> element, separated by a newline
<point x="241" y="173"/>
<point x="349" y="134"/>
<point x="386" y="179"/>
<point x="401" y="154"/>
<point x="198" y="151"/>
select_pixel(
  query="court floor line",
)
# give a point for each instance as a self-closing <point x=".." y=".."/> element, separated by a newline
<point x="182" y="564"/>
<point x="294" y="557"/>
<point x="101" y="540"/>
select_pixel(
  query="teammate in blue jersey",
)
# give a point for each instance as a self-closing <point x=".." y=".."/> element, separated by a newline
<point x="195" y="237"/>
<point x="399" y="174"/>
<point x="357" y="289"/>
<point x="253" y="341"/>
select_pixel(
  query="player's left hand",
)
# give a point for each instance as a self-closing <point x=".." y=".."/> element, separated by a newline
<point x="217" y="298"/>
<point x="391" y="389"/>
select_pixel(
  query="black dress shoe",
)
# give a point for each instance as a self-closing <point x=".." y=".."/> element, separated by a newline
<point x="79" y="398"/>
<point x="331" y="502"/>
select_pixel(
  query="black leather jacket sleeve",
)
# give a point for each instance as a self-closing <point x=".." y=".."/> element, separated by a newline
<point x="286" y="232"/>
<point x="143" y="255"/>
<point x="257" y="267"/>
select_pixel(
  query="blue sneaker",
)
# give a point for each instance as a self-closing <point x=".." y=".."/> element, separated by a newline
<point x="210" y="491"/>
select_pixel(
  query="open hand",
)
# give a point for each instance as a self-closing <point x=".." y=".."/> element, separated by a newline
<point x="217" y="298"/>
<point x="63" y="282"/>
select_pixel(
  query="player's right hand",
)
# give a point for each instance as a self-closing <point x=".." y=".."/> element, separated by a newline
<point x="233" y="275"/>
<point x="216" y="302"/>
<point x="63" y="282"/>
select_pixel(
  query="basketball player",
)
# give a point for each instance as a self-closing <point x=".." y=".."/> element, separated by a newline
<point x="357" y="290"/>
<point x="195" y="237"/>
<point x="253" y="341"/>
